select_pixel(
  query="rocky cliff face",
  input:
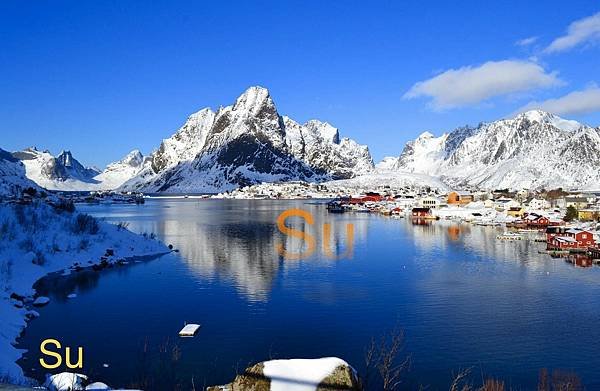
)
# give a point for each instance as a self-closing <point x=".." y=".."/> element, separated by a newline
<point x="246" y="143"/>
<point x="534" y="149"/>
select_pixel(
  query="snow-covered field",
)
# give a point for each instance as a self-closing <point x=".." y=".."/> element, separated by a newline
<point x="37" y="239"/>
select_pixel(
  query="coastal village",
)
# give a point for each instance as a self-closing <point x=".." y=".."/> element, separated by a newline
<point x="568" y="222"/>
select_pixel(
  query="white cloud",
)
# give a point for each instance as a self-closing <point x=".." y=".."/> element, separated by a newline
<point x="581" y="31"/>
<point x="526" y="41"/>
<point x="576" y="102"/>
<point x="471" y="85"/>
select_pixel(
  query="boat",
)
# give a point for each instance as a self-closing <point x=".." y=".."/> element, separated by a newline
<point x="335" y="207"/>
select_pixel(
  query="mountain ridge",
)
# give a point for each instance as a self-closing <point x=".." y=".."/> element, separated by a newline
<point x="532" y="150"/>
<point x="250" y="142"/>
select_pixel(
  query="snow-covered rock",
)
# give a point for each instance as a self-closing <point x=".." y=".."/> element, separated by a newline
<point x="246" y="143"/>
<point x="65" y="381"/>
<point x="330" y="373"/>
<point x="41" y="301"/>
<point x="13" y="179"/>
<point x="532" y="150"/>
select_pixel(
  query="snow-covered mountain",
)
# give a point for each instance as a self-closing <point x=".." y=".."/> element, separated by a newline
<point x="387" y="163"/>
<point x="245" y="143"/>
<point x="117" y="173"/>
<point x="62" y="172"/>
<point x="12" y="175"/>
<point x="534" y="149"/>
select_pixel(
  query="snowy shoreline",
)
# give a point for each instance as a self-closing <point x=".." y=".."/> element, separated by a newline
<point x="37" y="241"/>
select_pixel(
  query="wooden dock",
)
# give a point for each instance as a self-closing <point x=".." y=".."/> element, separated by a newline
<point x="189" y="330"/>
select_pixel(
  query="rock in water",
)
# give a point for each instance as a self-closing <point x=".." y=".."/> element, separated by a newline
<point x="41" y="301"/>
<point x="321" y="374"/>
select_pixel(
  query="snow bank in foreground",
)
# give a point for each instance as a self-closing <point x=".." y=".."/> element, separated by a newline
<point x="38" y="239"/>
<point x="300" y="374"/>
<point x="296" y="375"/>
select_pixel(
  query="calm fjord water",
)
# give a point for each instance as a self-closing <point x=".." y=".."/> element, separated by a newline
<point x="463" y="298"/>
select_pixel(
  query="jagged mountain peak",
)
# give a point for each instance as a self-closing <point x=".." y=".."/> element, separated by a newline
<point x="248" y="142"/>
<point x="66" y="158"/>
<point x="544" y="117"/>
<point x="133" y="158"/>
<point x="425" y="135"/>
<point x="253" y="100"/>
<point x="533" y="149"/>
<point x="325" y="130"/>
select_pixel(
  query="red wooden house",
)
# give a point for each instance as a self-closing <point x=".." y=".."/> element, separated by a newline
<point x="421" y="212"/>
<point x="534" y="220"/>
<point x="584" y="238"/>
<point x="572" y="238"/>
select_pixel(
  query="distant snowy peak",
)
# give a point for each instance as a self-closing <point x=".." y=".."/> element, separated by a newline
<point x="533" y="149"/>
<point x="74" y="168"/>
<point x="132" y="159"/>
<point x="120" y="172"/>
<point x="246" y="143"/>
<point x="387" y="163"/>
<point x="62" y="172"/>
<point x="540" y="116"/>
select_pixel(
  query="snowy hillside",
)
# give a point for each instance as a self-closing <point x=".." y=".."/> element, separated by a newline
<point x="534" y="149"/>
<point x="12" y="176"/>
<point x="117" y="173"/>
<point x="394" y="179"/>
<point x="387" y="163"/>
<point x="39" y="238"/>
<point x="245" y="143"/>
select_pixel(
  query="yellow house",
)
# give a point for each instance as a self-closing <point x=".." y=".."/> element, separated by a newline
<point x="459" y="198"/>
<point x="515" y="211"/>
<point x="587" y="214"/>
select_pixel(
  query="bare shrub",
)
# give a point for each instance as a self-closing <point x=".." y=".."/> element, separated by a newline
<point x="565" y="381"/>
<point x="493" y="385"/>
<point x="84" y="244"/>
<point x="384" y="357"/>
<point x="64" y="206"/>
<point x="459" y="381"/>
<point x="27" y="244"/>
<point x="85" y="224"/>
<point x="40" y="258"/>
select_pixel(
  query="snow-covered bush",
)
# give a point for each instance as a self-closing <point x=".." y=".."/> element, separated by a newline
<point x="85" y="223"/>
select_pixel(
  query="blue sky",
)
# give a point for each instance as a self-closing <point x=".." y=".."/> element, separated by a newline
<point x="102" y="78"/>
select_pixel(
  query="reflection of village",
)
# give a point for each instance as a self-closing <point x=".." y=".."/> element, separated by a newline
<point x="242" y="244"/>
<point x="568" y="223"/>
